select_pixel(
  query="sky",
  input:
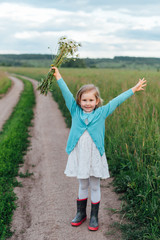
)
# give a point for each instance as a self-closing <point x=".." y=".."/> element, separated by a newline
<point x="105" y="28"/>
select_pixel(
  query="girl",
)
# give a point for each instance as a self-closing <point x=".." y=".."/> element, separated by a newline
<point x="85" y="146"/>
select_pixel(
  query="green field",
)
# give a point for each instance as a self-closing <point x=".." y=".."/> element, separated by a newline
<point x="132" y="140"/>
<point x="5" y="83"/>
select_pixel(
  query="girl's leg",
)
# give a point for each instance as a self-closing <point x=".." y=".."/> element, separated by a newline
<point x="83" y="188"/>
<point x="95" y="189"/>
<point x="81" y="203"/>
<point x="95" y="201"/>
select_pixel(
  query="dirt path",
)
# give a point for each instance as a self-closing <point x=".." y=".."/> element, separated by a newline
<point x="47" y="201"/>
<point x="8" y="102"/>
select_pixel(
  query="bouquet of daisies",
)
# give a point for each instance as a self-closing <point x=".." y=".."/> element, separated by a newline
<point x="66" y="50"/>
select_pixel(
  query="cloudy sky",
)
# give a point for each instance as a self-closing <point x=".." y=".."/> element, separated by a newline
<point x="104" y="28"/>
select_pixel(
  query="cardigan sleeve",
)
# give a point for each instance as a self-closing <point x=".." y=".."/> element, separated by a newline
<point x="115" y="102"/>
<point x="68" y="96"/>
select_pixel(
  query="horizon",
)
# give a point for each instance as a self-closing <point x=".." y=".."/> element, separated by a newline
<point x="79" y="57"/>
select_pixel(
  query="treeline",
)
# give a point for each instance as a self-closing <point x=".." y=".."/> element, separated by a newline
<point x="44" y="60"/>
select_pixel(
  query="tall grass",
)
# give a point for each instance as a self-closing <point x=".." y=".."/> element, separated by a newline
<point x="5" y="83"/>
<point x="132" y="142"/>
<point x="13" y="144"/>
<point x="36" y="73"/>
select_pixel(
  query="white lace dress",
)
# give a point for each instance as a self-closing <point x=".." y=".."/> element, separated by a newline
<point x="85" y="160"/>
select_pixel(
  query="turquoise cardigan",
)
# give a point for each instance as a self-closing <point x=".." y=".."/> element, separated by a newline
<point x="96" y="119"/>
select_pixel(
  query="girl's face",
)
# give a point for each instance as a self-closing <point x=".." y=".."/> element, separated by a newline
<point x="88" y="101"/>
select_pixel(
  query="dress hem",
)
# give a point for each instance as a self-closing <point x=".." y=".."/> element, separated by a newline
<point x="86" y="177"/>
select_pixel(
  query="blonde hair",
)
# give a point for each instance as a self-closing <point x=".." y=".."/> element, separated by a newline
<point x="88" y="88"/>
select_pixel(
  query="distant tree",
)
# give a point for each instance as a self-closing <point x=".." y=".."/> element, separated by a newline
<point x="78" y="63"/>
<point x="44" y="60"/>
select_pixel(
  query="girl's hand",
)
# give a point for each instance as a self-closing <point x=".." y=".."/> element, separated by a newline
<point x="139" y="86"/>
<point x="56" y="73"/>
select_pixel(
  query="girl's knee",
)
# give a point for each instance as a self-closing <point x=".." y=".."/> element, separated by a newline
<point x="95" y="188"/>
<point x="84" y="184"/>
<point x="94" y="184"/>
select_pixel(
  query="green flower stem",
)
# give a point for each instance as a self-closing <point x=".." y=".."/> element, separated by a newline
<point x="66" y="51"/>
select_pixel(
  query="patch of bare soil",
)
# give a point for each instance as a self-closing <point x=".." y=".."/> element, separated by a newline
<point x="8" y="102"/>
<point x="47" y="200"/>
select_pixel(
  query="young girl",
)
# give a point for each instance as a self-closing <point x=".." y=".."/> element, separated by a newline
<point x="85" y="146"/>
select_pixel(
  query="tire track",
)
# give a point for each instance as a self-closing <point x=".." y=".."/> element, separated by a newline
<point x="9" y="101"/>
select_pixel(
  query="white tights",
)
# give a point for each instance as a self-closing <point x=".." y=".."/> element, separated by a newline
<point x="94" y="184"/>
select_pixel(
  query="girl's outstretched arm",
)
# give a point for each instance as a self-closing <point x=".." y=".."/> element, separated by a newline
<point x="114" y="103"/>
<point x="68" y="96"/>
<point x="139" y="86"/>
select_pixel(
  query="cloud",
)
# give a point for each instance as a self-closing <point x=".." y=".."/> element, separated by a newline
<point x="102" y="30"/>
<point x="141" y="34"/>
<point x="90" y="5"/>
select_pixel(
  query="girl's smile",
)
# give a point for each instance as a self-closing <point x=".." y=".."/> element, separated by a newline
<point x="88" y="101"/>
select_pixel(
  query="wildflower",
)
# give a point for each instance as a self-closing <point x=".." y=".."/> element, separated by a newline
<point x="66" y="51"/>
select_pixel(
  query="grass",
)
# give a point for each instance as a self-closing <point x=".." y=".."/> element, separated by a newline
<point x="13" y="145"/>
<point x="5" y="83"/>
<point x="132" y="141"/>
<point x="25" y="175"/>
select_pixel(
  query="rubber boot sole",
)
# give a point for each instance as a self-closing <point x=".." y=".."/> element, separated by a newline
<point x="92" y="228"/>
<point x="79" y="223"/>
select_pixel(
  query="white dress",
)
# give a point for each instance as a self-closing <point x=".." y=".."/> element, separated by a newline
<point x="85" y="160"/>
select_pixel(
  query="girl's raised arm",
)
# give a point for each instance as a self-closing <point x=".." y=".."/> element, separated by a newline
<point x="114" y="103"/>
<point x="56" y="73"/>
<point x="68" y="96"/>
